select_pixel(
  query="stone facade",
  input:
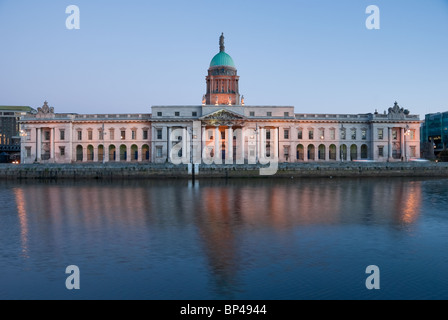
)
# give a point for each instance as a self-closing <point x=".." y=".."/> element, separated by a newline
<point x="225" y="131"/>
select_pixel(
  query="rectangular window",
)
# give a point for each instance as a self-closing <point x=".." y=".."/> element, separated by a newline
<point x="343" y="134"/>
<point x="394" y="134"/>
<point x="28" y="152"/>
<point x="79" y="135"/>
<point x="159" y="152"/>
<point x="145" y="134"/>
<point x="47" y="135"/>
<point x="62" y="151"/>
<point x="300" y="134"/>
<point x="112" y="134"/>
<point x="380" y="134"/>
<point x="159" y="134"/>
<point x="380" y="151"/>
<point x="61" y="135"/>
<point x="28" y="134"/>
<point x="311" y="134"/>
<point x="286" y="114"/>
<point x="159" y="114"/>
<point x="322" y="134"/>
<point x="101" y="135"/>
<point x="412" y="134"/>
<point x="90" y="135"/>
<point x="286" y="134"/>
<point x="268" y="134"/>
<point x="353" y="134"/>
<point x="332" y="134"/>
<point x="194" y="114"/>
<point x="269" y="114"/>
<point x="364" y="134"/>
<point x="223" y="135"/>
<point x="252" y="114"/>
<point x="123" y="135"/>
<point x="176" y="114"/>
<point x="134" y="135"/>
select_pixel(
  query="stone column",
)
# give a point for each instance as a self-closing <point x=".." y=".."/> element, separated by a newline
<point x="277" y="144"/>
<point x="240" y="139"/>
<point x="185" y="146"/>
<point x="261" y="143"/>
<point x="140" y="153"/>
<point x="84" y="154"/>
<point x="52" y="145"/>
<point x="229" y="157"/>
<point x="217" y="153"/>
<point x="169" y="144"/>
<point x="128" y="153"/>
<point x="95" y="152"/>
<point x="389" y="144"/>
<point x="203" y="140"/>
<point x="403" y="144"/>
<point x="39" y="144"/>
<point x="105" y="153"/>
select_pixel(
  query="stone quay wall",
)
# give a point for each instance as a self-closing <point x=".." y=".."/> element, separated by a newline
<point x="158" y="171"/>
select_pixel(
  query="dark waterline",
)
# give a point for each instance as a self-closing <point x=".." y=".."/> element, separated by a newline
<point x="225" y="239"/>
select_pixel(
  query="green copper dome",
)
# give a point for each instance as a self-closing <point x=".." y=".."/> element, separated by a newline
<point x="222" y="59"/>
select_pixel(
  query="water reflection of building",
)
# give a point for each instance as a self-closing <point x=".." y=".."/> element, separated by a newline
<point x="225" y="217"/>
<point x="230" y="212"/>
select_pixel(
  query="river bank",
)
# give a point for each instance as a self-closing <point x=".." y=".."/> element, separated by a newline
<point x="285" y="170"/>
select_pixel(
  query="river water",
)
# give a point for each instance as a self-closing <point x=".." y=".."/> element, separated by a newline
<point x="250" y="239"/>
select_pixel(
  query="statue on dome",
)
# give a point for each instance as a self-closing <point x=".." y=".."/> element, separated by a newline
<point x="221" y="43"/>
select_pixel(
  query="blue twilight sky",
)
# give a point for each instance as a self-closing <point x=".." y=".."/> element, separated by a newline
<point x="316" y="55"/>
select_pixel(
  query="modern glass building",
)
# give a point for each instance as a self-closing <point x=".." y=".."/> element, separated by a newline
<point x="10" y="130"/>
<point x="434" y="134"/>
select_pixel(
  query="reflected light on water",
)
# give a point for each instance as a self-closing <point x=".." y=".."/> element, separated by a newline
<point x="21" y="212"/>
<point x="412" y="200"/>
<point x="223" y="230"/>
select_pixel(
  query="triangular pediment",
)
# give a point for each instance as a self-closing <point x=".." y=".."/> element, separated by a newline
<point x="223" y="115"/>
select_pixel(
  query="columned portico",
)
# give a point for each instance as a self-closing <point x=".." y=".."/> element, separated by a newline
<point x="39" y="144"/>
<point x="229" y="149"/>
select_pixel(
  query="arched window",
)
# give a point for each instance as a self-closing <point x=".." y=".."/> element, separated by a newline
<point x="145" y="152"/>
<point x="343" y="150"/>
<point x="134" y="152"/>
<point x="311" y="152"/>
<point x="79" y="153"/>
<point x="321" y="152"/>
<point x="123" y="153"/>
<point x="353" y="152"/>
<point x="112" y="153"/>
<point x="364" y="151"/>
<point x="90" y="153"/>
<point x="332" y="153"/>
<point x="100" y="152"/>
<point x="300" y="152"/>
